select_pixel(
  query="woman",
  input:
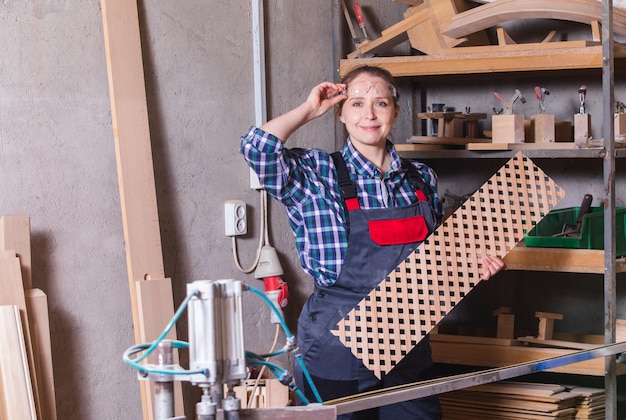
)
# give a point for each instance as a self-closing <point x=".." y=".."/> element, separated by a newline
<point x="330" y="198"/>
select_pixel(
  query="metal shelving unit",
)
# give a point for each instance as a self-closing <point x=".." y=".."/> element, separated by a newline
<point x="601" y="58"/>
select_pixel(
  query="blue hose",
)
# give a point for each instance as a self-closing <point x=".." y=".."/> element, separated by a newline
<point x="278" y="371"/>
<point x="289" y="337"/>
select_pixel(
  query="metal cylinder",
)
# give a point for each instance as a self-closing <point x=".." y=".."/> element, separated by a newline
<point x="164" y="384"/>
<point x="206" y="409"/>
<point x="204" y="330"/>
<point x="231" y="406"/>
<point x="231" y="315"/>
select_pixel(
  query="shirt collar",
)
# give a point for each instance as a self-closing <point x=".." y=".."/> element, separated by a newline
<point x="364" y="167"/>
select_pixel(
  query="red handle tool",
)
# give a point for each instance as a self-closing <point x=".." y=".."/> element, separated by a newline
<point x="359" y="17"/>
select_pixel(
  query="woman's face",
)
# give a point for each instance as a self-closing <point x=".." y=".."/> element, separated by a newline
<point x="369" y="112"/>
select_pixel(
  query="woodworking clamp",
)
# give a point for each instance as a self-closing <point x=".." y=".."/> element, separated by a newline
<point x="359" y="18"/>
<point x="541" y="94"/>
<point x="507" y="106"/>
<point x="582" y="94"/>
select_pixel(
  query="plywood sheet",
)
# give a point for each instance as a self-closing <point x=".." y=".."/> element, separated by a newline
<point x="385" y="326"/>
<point x="12" y="293"/>
<point x="15" y="236"/>
<point x="37" y="308"/>
<point x="16" y="398"/>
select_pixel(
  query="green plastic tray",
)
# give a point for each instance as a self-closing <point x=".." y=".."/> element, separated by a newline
<point x="591" y="230"/>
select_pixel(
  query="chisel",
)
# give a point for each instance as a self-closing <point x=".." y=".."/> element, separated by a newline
<point x="359" y="18"/>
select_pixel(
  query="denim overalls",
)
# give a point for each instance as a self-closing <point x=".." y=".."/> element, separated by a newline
<point x="378" y="241"/>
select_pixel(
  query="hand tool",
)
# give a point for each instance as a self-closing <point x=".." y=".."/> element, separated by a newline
<point x="508" y="105"/>
<point x="359" y="18"/>
<point x="355" y="40"/>
<point x="541" y="94"/>
<point x="574" y="230"/>
<point x="582" y="93"/>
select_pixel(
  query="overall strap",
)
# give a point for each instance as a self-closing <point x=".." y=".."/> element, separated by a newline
<point x="423" y="191"/>
<point x="346" y="185"/>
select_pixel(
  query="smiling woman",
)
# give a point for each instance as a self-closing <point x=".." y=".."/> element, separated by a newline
<point x="356" y="214"/>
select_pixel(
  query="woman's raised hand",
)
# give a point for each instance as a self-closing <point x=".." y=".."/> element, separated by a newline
<point x="324" y="97"/>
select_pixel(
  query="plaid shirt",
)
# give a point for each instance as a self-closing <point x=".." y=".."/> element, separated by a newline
<point x="305" y="181"/>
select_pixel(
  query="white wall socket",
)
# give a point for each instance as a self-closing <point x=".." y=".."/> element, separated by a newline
<point x="235" y="218"/>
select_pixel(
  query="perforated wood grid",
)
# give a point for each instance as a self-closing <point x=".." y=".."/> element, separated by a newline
<point x="413" y="298"/>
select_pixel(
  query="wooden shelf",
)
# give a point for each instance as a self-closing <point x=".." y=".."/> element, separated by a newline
<point x="413" y="151"/>
<point x="559" y="259"/>
<point x="488" y="355"/>
<point x="490" y="59"/>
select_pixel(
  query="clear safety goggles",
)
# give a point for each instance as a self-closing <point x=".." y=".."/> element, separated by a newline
<point x="361" y="89"/>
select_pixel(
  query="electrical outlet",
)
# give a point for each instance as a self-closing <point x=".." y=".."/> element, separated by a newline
<point x="235" y="218"/>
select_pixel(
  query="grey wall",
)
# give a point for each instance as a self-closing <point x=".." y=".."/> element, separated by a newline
<point x="57" y="164"/>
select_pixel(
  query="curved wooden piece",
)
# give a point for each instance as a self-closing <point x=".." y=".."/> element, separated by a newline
<point x="493" y="14"/>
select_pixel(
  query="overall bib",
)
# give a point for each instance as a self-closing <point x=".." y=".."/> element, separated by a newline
<point x="378" y="241"/>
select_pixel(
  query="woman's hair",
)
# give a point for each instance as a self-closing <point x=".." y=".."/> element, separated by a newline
<point x="374" y="71"/>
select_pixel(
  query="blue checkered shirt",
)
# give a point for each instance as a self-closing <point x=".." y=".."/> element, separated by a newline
<point x="305" y="181"/>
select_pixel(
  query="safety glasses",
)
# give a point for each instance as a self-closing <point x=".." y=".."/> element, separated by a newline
<point x="361" y="89"/>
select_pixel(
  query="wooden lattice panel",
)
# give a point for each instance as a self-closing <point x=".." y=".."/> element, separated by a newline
<point x="418" y="294"/>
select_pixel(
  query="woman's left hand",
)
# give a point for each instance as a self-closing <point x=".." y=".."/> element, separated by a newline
<point x="491" y="266"/>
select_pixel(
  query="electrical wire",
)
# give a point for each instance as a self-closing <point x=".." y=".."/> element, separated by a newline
<point x="266" y="231"/>
<point x="262" y="237"/>
<point x="289" y="338"/>
<point x="263" y="368"/>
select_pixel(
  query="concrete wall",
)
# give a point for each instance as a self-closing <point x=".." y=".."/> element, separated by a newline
<point x="57" y="164"/>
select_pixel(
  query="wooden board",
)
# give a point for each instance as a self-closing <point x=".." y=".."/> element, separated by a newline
<point x="521" y="146"/>
<point x="17" y="401"/>
<point x="446" y="266"/>
<point x="12" y="293"/>
<point x="135" y="170"/>
<point x="515" y="400"/>
<point x="15" y="236"/>
<point x="444" y="141"/>
<point x="494" y="341"/>
<point x="488" y="355"/>
<point x="37" y="308"/>
<point x="559" y="259"/>
<point x="490" y="59"/>
<point x="496" y="13"/>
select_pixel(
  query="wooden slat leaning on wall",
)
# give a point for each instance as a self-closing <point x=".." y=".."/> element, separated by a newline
<point x="37" y="308"/>
<point x="16" y="398"/>
<point x="136" y="181"/>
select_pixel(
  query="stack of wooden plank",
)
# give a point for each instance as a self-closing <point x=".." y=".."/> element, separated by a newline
<point x="518" y="400"/>
<point x="590" y="403"/>
<point x="26" y="376"/>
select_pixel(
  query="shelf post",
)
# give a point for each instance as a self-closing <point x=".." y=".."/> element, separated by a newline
<point x="608" y="130"/>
